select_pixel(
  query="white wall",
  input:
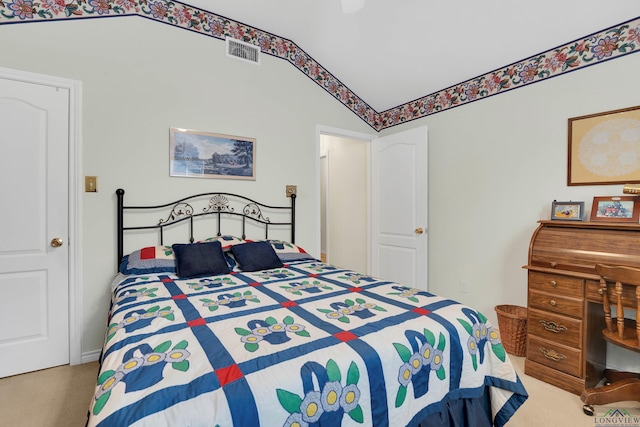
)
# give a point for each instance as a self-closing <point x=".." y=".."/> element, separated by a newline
<point x="496" y="165"/>
<point x="139" y="79"/>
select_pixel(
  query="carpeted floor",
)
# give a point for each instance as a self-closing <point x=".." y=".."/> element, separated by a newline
<point x="553" y="407"/>
<point x="60" y="397"/>
<point x="55" y="397"/>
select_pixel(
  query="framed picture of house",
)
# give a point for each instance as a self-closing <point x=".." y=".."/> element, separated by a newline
<point x="567" y="211"/>
<point x="211" y="155"/>
<point x="602" y="148"/>
<point x="616" y="209"/>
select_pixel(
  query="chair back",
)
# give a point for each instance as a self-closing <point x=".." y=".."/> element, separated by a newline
<point x="620" y="285"/>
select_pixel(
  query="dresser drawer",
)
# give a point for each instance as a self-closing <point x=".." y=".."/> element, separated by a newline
<point x="559" y="329"/>
<point x="556" y="284"/>
<point x="592" y="291"/>
<point x="554" y="355"/>
<point x="556" y="304"/>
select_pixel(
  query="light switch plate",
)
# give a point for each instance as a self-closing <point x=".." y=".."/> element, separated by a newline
<point x="91" y="184"/>
<point x="291" y="189"/>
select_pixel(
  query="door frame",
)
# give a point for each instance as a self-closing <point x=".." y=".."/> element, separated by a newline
<point x="75" y="198"/>
<point x="342" y="133"/>
<point x="325" y="155"/>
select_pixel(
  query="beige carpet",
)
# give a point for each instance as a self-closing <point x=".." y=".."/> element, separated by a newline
<point x="56" y="397"/>
<point x="60" y="397"/>
<point x="550" y="406"/>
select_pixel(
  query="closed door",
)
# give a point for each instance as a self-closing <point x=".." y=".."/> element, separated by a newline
<point x="399" y="207"/>
<point x="34" y="226"/>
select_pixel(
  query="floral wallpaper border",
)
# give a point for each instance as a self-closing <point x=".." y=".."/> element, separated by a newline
<point x="607" y="44"/>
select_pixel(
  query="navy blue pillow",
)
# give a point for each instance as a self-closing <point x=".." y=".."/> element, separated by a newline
<point x="254" y="256"/>
<point x="199" y="259"/>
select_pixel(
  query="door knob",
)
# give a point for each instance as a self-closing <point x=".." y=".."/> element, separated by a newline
<point x="57" y="242"/>
<point x="419" y="230"/>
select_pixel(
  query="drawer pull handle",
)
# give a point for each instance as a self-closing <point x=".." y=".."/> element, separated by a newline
<point x="553" y="283"/>
<point x="601" y="291"/>
<point x="553" y="303"/>
<point x="552" y="354"/>
<point x="553" y="264"/>
<point x="553" y="327"/>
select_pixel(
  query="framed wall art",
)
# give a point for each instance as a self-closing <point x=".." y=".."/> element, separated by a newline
<point x="616" y="209"/>
<point x="603" y="148"/>
<point x="211" y="155"/>
<point x="567" y="211"/>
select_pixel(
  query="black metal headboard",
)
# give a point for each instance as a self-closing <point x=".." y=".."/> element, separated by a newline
<point x="219" y="204"/>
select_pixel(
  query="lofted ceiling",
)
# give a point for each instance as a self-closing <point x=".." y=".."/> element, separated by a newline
<point x="393" y="52"/>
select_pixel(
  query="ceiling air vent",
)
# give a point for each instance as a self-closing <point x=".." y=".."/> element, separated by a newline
<point x="243" y="51"/>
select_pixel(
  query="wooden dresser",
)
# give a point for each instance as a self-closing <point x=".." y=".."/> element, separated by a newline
<point x="565" y="319"/>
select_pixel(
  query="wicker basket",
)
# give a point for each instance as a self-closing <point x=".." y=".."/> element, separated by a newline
<point x="512" y="322"/>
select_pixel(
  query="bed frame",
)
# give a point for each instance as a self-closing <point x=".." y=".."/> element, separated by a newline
<point x="219" y="204"/>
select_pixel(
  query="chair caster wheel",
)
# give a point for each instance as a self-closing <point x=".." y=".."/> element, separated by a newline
<point x="588" y="410"/>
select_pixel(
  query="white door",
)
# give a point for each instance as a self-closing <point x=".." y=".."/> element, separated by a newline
<point x="34" y="189"/>
<point x="399" y="207"/>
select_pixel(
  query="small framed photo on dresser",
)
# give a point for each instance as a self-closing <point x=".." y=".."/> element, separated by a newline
<point x="616" y="209"/>
<point x="567" y="211"/>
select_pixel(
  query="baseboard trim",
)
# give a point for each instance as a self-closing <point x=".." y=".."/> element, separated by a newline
<point x="90" y="356"/>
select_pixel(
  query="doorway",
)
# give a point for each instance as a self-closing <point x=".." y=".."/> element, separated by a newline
<point x="394" y="214"/>
<point x="344" y="199"/>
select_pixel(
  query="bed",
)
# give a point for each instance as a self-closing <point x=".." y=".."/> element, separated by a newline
<point x="226" y="330"/>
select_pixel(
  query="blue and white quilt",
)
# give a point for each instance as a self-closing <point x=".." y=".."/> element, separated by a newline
<point x="308" y="344"/>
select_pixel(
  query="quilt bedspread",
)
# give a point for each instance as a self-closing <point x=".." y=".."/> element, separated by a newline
<point x="308" y="344"/>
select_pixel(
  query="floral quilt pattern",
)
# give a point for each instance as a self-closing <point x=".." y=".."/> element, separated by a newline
<point x="308" y="344"/>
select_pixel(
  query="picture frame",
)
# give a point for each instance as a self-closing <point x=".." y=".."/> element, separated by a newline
<point x="616" y="209"/>
<point x="600" y="151"/>
<point x="567" y="211"/>
<point x="211" y="155"/>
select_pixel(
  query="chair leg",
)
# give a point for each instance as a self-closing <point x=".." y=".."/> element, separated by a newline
<point x="625" y="390"/>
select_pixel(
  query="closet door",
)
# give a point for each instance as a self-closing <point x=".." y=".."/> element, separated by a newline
<point x="34" y="226"/>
